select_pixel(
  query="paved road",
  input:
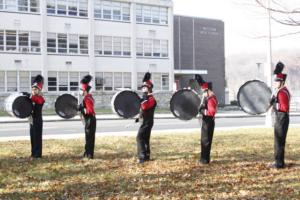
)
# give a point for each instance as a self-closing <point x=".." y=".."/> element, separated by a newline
<point x="76" y="127"/>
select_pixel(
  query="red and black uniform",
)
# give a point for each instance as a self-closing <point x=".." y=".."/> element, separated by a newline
<point x="88" y="112"/>
<point x="148" y="105"/>
<point x="36" y="126"/>
<point x="281" y="107"/>
<point x="208" y="110"/>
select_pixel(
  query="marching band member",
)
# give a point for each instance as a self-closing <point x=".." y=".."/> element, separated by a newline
<point x="87" y="110"/>
<point x="36" y="119"/>
<point x="208" y="109"/>
<point x="148" y="105"/>
<point x="281" y="105"/>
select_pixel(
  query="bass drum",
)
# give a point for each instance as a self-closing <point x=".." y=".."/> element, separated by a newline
<point x="185" y="104"/>
<point x="66" y="106"/>
<point x="18" y="105"/>
<point x="126" y="104"/>
<point x="254" y="97"/>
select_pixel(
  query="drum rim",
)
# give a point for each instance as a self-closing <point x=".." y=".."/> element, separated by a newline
<point x="59" y="96"/>
<point x="181" y="90"/>
<point x="115" y="96"/>
<point x="238" y="95"/>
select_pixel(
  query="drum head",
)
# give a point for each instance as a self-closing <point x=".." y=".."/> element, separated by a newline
<point x="185" y="104"/>
<point x="126" y="104"/>
<point x="22" y="107"/>
<point x="66" y="106"/>
<point x="254" y="97"/>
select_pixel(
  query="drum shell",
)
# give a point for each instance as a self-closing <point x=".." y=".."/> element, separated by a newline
<point x="66" y="106"/>
<point x="127" y="107"/>
<point x="254" y="97"/>
<point x="18" y="105"/>
<point x="185" y="104"/>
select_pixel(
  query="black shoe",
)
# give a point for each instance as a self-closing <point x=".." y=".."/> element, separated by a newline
<point x="147" y="158"/>
<point x="276" y="166"/>
<point x="141" y="161"/>
<point x="203" y="161"/>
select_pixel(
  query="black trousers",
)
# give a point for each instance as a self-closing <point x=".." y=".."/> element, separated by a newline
<point x="207" y="132"/>
<point x="36" y="132"/>
<point x="280" y="132"/>
<point x="143" y="140"/>
<point x="90" y="130"/>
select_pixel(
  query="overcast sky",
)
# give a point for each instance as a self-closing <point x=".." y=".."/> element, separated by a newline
<point x="243" y="23"/>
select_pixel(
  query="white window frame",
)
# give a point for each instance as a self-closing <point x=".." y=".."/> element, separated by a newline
<point x="106" y="10"/>
<point x="154" y="15"/>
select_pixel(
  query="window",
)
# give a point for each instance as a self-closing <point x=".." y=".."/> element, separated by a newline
<point x="139" y="80"/>
<point x="1" y="6"/>
<point x="107" y="45"/>
<point x="99" y="81"/>
<point x="127" y="80"/>
<point x="151" y="14"/>
<point x="108" y="81"/>
<point x="125" y="11"/>
<point x="74" y="81"/>
<point x="139" y="13"/>
<point x="84" y="44"/>
<point x="62" y="43"/>
<point x="12" y="81"/>
<point x="63" y="81"/>
<point x="126" y="47"/>
<point x="35" y="42"/>
<point x="62" y="7"/>
<point x="107" y="10"/>
<point x="164" y="15"/>
<point x="156" y="48"/>
<point x="1" y="40"/>
<point x="116" y="10"/>
<point x="73" y="44"/>
<point x="23" y="5"/>
<point x="147" y="14"/>
<point x="139" y="47"/>
<point x="148" y="47"/>
<point x="155" y="15"/>
<point x="111" y="10"/>
<point x="165" y="81"/>
<point x="11" y="41"/>
<point x="164" y="48"/>
<point x="98" y="45"/>
<point x="52" y="81"/>
<point x="156" y="77"/>
<point x="2" y="81"/>
<point x="34" y="6"/>
<point x="117" y="80"/>
<point x="24" y="80"/>
<point x="98" y="9"/>
<point x="51" y="6"/>
<point x="51" y="42"/>
<point x="117" y="45"/>
<point x="152" y="48"/>
<point x="11" y="5"/>
<point x="23" y="41"/>
<point x="83" y="8"/>
<point x="72" y="7"/>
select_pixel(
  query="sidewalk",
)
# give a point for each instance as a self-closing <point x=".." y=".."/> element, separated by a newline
<point x="55" y="118"/>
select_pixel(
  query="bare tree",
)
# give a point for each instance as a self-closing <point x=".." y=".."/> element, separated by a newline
<point x="285" y="12"/>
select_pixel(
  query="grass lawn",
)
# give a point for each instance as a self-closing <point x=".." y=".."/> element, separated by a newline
<point x="239" y="169"/>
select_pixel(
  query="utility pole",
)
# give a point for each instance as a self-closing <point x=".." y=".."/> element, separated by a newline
<point x="268" y="68"/>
